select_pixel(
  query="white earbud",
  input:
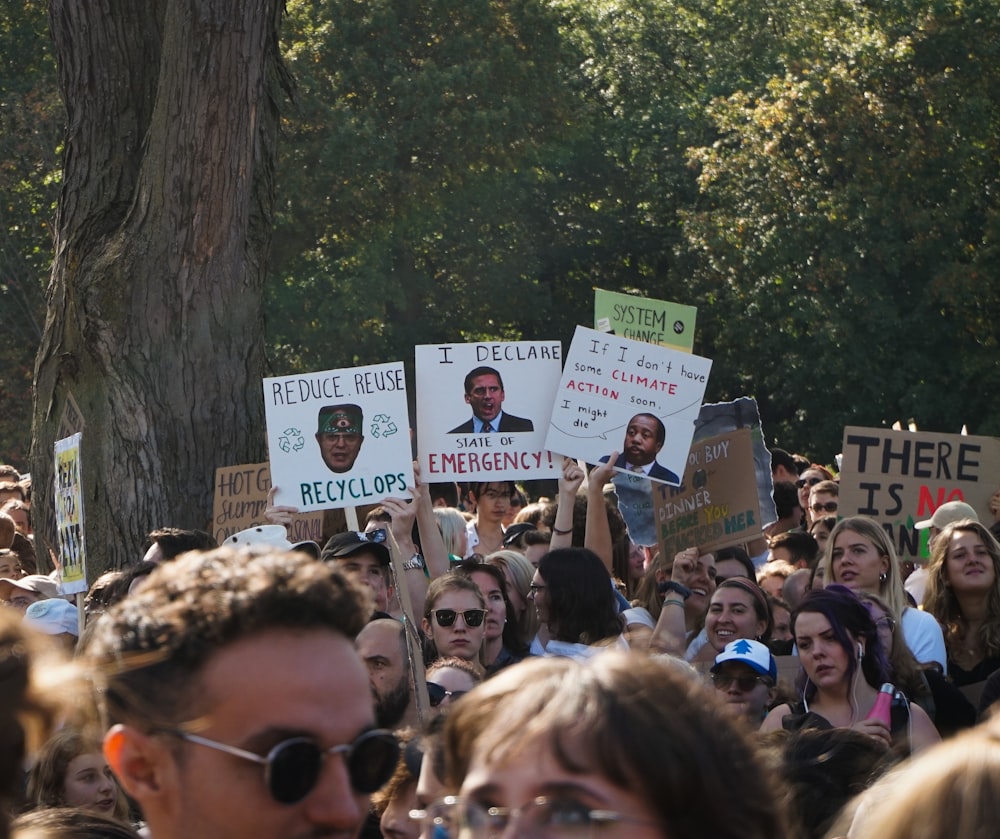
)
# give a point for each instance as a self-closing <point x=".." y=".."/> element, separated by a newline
<point x="861" y="652"/>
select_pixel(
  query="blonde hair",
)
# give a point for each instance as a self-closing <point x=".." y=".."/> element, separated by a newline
<point x="952" y="789"/>
<point x="451" y="523"/>
<point x="940" y="600"/>
<point x="518" y="569"/>
<point x="891" y="588"/>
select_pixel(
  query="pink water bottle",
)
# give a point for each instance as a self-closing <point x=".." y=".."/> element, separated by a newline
<point x="883" y="702"/>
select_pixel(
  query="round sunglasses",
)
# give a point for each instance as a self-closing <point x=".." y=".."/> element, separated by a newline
<point x="472" y="617"/>
<point x="292" y="768"/>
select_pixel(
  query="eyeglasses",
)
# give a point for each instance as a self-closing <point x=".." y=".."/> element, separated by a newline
<point x="437" y="694"/>
<point x="722" y="681"/>
<point x="534" y="588"/>
<point x="292" y="768"/>
<point x="472" y="617"/>
<point x="377" y="536"/>
<point x="538" y="819"/>
<point x="801" y="482"/>
<point x="827" y="506"/>
<point x="886" y="623"/>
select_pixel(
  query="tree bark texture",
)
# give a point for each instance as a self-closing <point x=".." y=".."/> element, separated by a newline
<point x="154" y="321"/>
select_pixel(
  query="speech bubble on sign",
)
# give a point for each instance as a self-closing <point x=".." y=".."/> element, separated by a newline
<point x="638" y="399"/>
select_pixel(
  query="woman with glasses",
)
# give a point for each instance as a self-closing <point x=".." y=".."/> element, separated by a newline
<point x="944" y="703"/>
<point x="963" y="593"/>
<point x="621" y="745"/>
<point x="575" y="603"/>
<point x="501" y="644"/>
<point x="843" y="668"/>
<point x="449" y="679"/>
<point x="454" y="621"/>
<point x="861" y="556"/>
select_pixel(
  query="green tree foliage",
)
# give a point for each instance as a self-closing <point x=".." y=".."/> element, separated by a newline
<point x="850" y="223"/>
<point x="31" y="119"/>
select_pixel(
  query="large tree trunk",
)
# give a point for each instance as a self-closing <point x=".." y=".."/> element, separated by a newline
<point x="154" y="323"/>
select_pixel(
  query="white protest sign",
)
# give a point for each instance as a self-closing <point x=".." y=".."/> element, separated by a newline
<point x="638" y="399"/>
<point x="339" y="438"/>
<point x="483" y="410"/>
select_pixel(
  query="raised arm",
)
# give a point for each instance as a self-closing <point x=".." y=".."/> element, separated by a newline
<point x="670" y="634"/>
<point x="598" y="533"/>
<point x="569" y="482"/>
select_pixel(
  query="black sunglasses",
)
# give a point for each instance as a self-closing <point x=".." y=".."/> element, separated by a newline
<point x="292" y="768"/>
<point x="801" y="482"/>
<point x="437" y="694"/>
<point x="824" y="506"/>
<point x="472" y="617"/>
<point x="745" y="683"/>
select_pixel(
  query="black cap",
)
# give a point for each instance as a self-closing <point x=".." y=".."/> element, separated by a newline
<point x="352" y="542"/>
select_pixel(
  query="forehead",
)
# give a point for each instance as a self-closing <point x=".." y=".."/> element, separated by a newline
<point x="487" y="380"/>
<point x="451" y="678"/>
<point x="364" y="558"/>
<point x="965" y="539"/>
<point x="381" y="641"/>
<point x="278" y="681"/>
<point x="496" y="486"/>
<point x="457" y="599"/>
<point x="731" y="594"/>
<point x="812" y="473"/>
<point x="485" y="581"/>
<point x="642" y="424"/>
<point x="730" y="568"/>
<point x="849" y="538"/>
<point x="811" y="623"/>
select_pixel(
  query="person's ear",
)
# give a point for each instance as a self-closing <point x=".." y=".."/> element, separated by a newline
<point x="425" y="625"/>
<point x="141" y="762"/>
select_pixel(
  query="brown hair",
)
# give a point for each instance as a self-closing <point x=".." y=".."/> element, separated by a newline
<point x="641" y="723"/>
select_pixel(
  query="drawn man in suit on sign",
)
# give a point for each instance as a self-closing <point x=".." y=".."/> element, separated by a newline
<point x="644" y="437"/>
<point x="484" y="392"/>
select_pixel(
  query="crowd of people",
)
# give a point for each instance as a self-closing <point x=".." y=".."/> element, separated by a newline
<point x="479" y="663"/>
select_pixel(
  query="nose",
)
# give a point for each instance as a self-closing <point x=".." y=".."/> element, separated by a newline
<point x="334" y="805"/>
<point x="106" y="785"/>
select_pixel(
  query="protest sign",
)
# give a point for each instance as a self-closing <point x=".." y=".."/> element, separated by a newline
<point x="641" y="319"/>
<point x="902" y="477"/>
<point x="717" y="504"/>
<point x="240" y="499"/>
<point x="638" y="399"/>
<point x="69" y="515"/>
<point x="339" y="438"/>
<point x="482" y="410"/>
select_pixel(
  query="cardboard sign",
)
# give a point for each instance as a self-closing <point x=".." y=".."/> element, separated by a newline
<point x="339" y="438"/>
<point x="240" y="499"/>
<point x="611" y="387"/>
<point x="902" y="477"/>
<point x="69" y="515"/>
<point x="718" y="504"/>
<point x="641" y="319"/>
<point x="482" y="410"/>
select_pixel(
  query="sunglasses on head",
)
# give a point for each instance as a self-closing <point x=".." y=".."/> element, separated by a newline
<point x="722" y="681"/>
<point x="377" y="536"/>
<point x="437" y="694"/>
<point x="801" y="482"/>
<point x="472" y="617"/>
<point x="292" y="768"/>
<point x="827" y="506"/>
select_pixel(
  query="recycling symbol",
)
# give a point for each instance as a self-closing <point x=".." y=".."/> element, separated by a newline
<point x="383" y="426"/>
<point x="291" y="440"/>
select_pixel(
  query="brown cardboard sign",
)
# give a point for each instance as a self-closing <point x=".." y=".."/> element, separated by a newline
<point x="240" y="500"/>
<point x="717" y="503"/>
<point x="902" y="477"/>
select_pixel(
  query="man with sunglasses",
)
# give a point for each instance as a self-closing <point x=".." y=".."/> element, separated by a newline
<point x="745" y="676"/>
<point x="236" y="701"/>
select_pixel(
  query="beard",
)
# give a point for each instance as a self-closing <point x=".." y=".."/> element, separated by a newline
<point x="391" y="707"/>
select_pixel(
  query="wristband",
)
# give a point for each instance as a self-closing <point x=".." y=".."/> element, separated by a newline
<point x="674" y="586"/>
